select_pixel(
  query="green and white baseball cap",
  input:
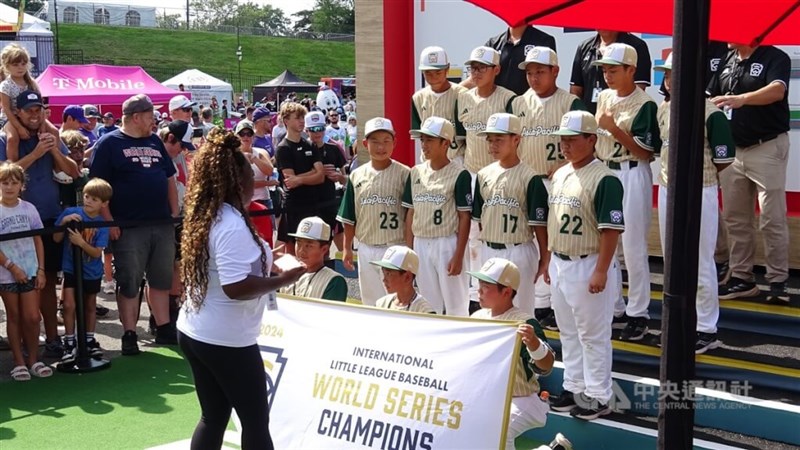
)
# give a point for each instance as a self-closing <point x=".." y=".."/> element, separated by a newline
<point x="436" y="127"/>
<point x="433" y="58"/>
<point x="484" y="55"/>
<point x="574" y="123"/>
<point x="378" y="124"/>
<point x="666" y="66"/>
<point x="540" y="55"/>
<point x="499" y="271"/>
<point x="502" y="123"/>
<point x="618" y="54"/>
<point x="313" y="228"/>
<point x="399" y="257"/>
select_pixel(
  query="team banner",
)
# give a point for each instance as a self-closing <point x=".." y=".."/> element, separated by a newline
<point x="353" y="377"/>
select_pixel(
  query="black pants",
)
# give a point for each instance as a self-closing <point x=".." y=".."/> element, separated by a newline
<point x="225" y="378"/>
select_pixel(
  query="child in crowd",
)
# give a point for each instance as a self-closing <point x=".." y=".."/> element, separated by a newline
<point x="96" y="195"/>
<point x="21" y="274"/>
<point x="399" y="267"/>
<point x="72" y="192"/>
<point x="15" y="64"/>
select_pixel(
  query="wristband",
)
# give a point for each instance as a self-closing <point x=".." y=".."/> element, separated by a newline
<point x="8" y="264"/>
<point x="540" y="352"/>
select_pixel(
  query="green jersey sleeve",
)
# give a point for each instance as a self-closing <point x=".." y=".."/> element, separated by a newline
<point x="461" y="132"/>
<point x="537" y="202"/>
<point x="477" y="201"/>
<point x="510" y="105"/>
<point x="336" y="290"/>
<point x="530" y="198"/>
<point x="347" y="210"/>
<point x="644" y="128"/>
<point x="720" y="138"/>
<point x="416" y="120"/>
<point x="408" y="200"/>
<point x="608" y="204"/>
<point x="464" y="191"/>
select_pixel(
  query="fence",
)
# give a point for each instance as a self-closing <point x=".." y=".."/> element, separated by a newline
<point x="40" y="48"/>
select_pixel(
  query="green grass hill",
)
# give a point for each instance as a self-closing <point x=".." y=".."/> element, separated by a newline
<point x="165" y="53"/>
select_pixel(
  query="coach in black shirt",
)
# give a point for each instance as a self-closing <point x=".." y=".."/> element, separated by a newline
<point x="752" y="89"/>
<point x="587" y="80"/>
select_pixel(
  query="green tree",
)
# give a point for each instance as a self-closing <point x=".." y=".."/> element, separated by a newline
<point x="170" y="21"/>
<point x="31" y="6"/>
<point x="334" y="16"/>
<point x="302" y="22"/>
<point x="267" y="16"/>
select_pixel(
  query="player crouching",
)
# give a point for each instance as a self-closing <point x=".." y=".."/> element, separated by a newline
<point x="399" y="267"/>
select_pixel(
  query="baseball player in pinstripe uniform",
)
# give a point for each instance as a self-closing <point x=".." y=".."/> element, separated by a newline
<point x="718" y="153"/>
<point x="399" y="266"/>
<point x="499" y="281"/>
<point x="503" y="192"/>
<point x="540" y="110"/>
<point x="438" y="196"/>
<point x="626" y="141"/>
<point x="371" y="208"/>
<point x="312" y="243"/>
<point x="438" y="97"/>
<point x="473" y="109"/>
<point x="581" y="219"/>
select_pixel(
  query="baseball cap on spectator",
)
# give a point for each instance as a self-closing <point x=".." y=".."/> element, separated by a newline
<point x="433" y="58"/>
<point x="244" y="125"/>
<point x="399" y="257"/>
<point x="315" y="120"/>
<point x="313" y="228"/>
<point x="436" y="127"/>
<point x="108" y="115"/>
<point x="540" y="55"/>
<point x="90" y="111"/>
<point x="617" y="55"/>
<point x="183" y="131"/>
<point x="137" y="104"/>
<point x="666" y="66"/>
<point x="502" y="123"/>
<point x="28" y="99"/>
<point x="180" y="102"/>
<point x="378" y="124"/>
<point x="484" y="55"/>
<point x="76" y="112"/>
<point x="498" y="271"/>
<point x="260" y="113"/>
<point x="577" y="122"/>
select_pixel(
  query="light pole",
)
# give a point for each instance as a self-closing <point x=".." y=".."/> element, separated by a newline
<point x="55" y="12"/>
<point x="239" y="54"/>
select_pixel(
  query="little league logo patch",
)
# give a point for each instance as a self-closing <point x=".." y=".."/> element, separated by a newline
<point x="305" y="227"/>
<point x="478" y="53"/>
<point x="492" y="122"/>
<point x="714" y="64"/>
<point x="539" y="213"/>
<point x="616" y="216"/>
<point x="530" y="52"/>
<point x="721" y="151"/>
<point x="274" y="363"/>
<point x="378" y="122"/>
<point x="756" y="69"/>
<point x="433" y="58"/>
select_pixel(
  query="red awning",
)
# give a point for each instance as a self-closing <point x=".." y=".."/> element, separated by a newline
<point x="738" y="21"/>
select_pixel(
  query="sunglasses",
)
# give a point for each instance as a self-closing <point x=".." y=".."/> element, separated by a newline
<point x="316" y="129"/>
<point x="246" y="134"/>
<point x="189" y="109"/>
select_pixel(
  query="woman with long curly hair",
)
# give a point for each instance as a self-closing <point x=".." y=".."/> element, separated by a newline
<point x="225" y="268"/>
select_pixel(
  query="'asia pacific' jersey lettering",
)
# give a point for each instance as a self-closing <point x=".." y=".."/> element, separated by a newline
<point x="502" y="205"/>
<point x="472" y="114"/>
<point x="436" y="196"/>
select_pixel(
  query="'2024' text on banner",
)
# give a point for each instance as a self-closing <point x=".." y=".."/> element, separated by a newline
<point x="353" y="377"/>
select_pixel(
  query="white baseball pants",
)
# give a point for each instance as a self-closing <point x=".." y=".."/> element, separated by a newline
<point x="370" y="280"/>
<point x="443" y="292"/>
<point x="526" y="258"/>
<point x="525" y="413"/>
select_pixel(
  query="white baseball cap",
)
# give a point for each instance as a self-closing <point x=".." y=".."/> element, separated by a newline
<point x="436" y="127"/>
<point x="540" y="55"/>
<point x="499" y="271"/>
<point x="666" y="66"/>
<point x="180" y="101"/>
<point x="313" y="228"/>
<point x="433" y="58"/>
<point x="399" y="257"/>
<point x="378" y="124"/>
<point x="574" y="123"/>
<point x="618" y="54"/>
<point x="502" y="123"/>
<point x="484" y="55"/>
<point x="315" y="119"/>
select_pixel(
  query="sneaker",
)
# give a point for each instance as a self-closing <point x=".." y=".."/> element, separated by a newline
<point x="109" y="287"/>
<point x="592" y="412"/>
<point x="619" y="323"/>
<point x="738" y="288"/>
<point x="705" y="342"/>
<point x="166" y="334"/>
<point x="70" y="352"/>
<point x="101" y="311"/>
<point x="130" y="346"/>
<point x="560" y="443"/>
<point x="546" y="318"/>
<point x="53" y="348"/>
<point x="636" y="329"/>
<point x="722" y="272"/>
<point x="93" y="347"/>
<point x="564" y="402"/>
<point x="777" y="294"/>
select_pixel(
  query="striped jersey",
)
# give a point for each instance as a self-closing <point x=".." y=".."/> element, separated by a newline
<point x="526" y="379"/>
<point x="325" y="283"/>
<point x="718" y="145"/>
<point x="418" y="304"/>
<point x="426" y="103"/>
<point x="471" y="116"/>
<point x="436" y="196"/>
<point x="373" y="203"/>
<point x="581" y="203"/>
<point x="502" y="203"/>
<point x="635" y="115"/>
<point x="540" y="118"/>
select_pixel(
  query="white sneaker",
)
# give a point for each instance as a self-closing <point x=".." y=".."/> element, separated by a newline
<point x="109" y="287"/>
<point x="62" y="178"/>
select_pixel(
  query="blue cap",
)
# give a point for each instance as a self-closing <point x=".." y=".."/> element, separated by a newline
<point x="76" y="112"/>
<point x="27" y="99"/>
<point x="261" y="113"/>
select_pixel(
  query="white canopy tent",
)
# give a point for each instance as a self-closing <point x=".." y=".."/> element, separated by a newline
<point x="202" y="87"/>
<point x="9" y="15"/>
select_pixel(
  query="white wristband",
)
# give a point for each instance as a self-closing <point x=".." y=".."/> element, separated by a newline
<point x="540" y="352"/>
<point x="8" y="263"/>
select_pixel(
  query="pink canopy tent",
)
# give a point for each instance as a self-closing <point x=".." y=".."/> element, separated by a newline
<point x="104" y="86"/>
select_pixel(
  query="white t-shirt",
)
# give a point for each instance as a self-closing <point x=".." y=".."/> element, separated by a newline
<point x="260" y="193"/>
<point x="233" y="256"/>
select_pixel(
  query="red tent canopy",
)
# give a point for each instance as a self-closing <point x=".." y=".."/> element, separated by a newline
<point x="738" y="21"/>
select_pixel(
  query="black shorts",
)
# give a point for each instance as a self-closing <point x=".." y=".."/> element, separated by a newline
<point x="292" y="218"/>
<point x="90" y="287"/>
<point x="53" y="251"/>
<point x="328" y="214"/>
<point x="19" y="288"/>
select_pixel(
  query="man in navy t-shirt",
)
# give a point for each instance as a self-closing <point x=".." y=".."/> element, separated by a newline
<point x="141" y="172"/>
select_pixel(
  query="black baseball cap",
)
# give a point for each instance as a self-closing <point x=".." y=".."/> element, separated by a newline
<point x="183" y="131"/>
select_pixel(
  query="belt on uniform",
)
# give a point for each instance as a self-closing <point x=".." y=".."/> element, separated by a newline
<point x="567" y="257"/>
<point x="762" y="140"/>
<point x="496" y="246"/>
<point x="618" y="166"/>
